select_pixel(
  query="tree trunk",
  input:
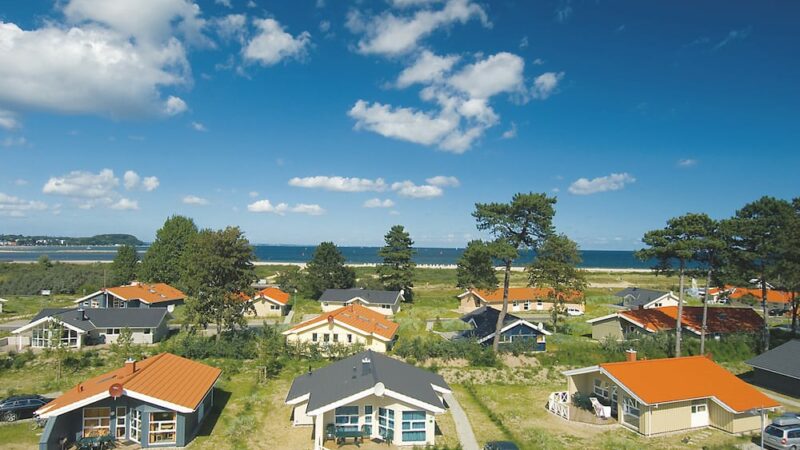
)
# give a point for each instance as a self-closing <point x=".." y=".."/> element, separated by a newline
<point x="705" y="315"/>
<point x="680" y="312"/>
<point x="219" y="329"/>
<point x="764" y="307"/>
<point x="795" y="304"/>
<point x="502" y="316"/>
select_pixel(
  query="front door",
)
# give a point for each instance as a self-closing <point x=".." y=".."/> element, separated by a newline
<point x="120" y="423"/>
<point x="136" y="426"/>
<point x="699" y="415"/>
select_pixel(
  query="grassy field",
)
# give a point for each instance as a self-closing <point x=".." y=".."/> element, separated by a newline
<point x="28" y="305"/>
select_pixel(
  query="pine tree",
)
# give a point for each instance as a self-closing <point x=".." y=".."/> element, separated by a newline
<point x="397" y="271"/>
<point x="326" y="270"/>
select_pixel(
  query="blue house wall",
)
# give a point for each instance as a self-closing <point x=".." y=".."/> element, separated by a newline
<point x="521" y="332"/>
<point x="70" y="424"/>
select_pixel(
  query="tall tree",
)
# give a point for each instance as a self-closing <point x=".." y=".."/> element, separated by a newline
<point x="475" y="267"/>
<point x="521" y="224"/>
<point x="556" y="267"/>
<point x="326" y="270"/>
<point x="397" y="271"/>
<point x="217" y="269"/>
<point x="755" y="237"/>
<point x="709" y="252"/>
<point x="678" y="243"/>
<point x="789" y="264"/>
<point x="161" y="262"/>
<point x="125" y="265"/>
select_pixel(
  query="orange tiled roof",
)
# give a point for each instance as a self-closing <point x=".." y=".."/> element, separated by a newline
<point x="664" y="380"/>
<point x="522" y="294"/>
<point x="275" y="294"/>
<point x="719" y="319"/>
<point x="150" y="293"/>
<point x="773" y="296"/>
<point x="166" y="377"/>
<point x="357" y="316"/>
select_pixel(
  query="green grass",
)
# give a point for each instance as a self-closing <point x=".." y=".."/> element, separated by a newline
<point x="28" y="305"/>
<point x="19" y="435"/>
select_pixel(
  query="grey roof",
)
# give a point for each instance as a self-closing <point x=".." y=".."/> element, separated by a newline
<point x="639" y="297"/>
<point x="106" y="317"/>
<point x="784" y="359"/>
<point x="370" y="295"/>
<point x="362" y="371"/>
<point x="485" y="319"/>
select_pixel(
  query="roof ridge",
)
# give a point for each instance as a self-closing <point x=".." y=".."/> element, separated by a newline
<point x="644" y="360"/>
<point x="136" y="373"/>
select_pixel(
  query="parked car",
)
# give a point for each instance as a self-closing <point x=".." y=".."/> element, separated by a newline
<point x="783" y="433"/>
<point x="574" y="312"/>
<point x="20" y="406"/>
<point x="500" y="445"/>
<point x="776" y="312"/>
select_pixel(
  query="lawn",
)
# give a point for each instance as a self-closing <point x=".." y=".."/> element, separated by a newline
<point x="28" y="305"/>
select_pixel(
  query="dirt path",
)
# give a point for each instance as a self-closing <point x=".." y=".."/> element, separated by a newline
<point x="463" y="427"/>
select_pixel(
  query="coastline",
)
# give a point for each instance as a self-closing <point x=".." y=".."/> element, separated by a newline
<point x="421" y="266"/>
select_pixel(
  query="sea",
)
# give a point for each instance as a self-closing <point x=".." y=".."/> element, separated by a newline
<point x="429" y="256"/>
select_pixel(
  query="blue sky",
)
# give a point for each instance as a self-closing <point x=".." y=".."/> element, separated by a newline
<point x="319" y="120"/>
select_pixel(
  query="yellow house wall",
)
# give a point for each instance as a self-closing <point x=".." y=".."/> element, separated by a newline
<point x="333" y="306"/>
<point x="262" y="309"/>
<point x="306" y="336"/>
<point x="668" y="417"/>
<point x="607" y="328"/>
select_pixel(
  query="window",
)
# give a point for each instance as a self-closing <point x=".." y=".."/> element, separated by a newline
<point x="162" y="428"/>
<point x="385" y="420"/>
<point x="136" y="425"/>
<point x="147" y="331"/>
<point x="539" y="303"/>
<point x="527" y="306"/>
<point x="794" y="434"/>
<point x="599" y="389"/>
<point x="313" y="337"/>
<point x="413" y="426"/>
<point x="515" y="303"/>
<point x="274" y="307"/>
<point x="657" y="305"/>
<point x="698" y="408"/>
<point x="349" y="338"/>
<point x="324" y="303"/>
<point x="614" y="395"/>
<point x="120" y="422"/>
<point x="112" y="331"/>
<point x="40" y="336"/>
<point x="335" y="337"/>
<point x="630" y="411"/>
<point x="386" y="306"/>
<point x="96" y="422"/>
<point x="368" y="419"/>
<point x="326" y="337"/>
<point x="347" y="418"/>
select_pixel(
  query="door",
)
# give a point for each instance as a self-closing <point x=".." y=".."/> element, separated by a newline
<point x="136" y="426"/>
<point x="699" y="415"/>
<point x="120" y="423"/>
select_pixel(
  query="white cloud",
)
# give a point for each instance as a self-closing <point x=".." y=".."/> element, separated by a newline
<point x="402" y="123"/>
<point x="563" y="11"/>
<point x="324" y="26"/>
<point x="545" y="84"/>
<point x="428" y="67"/>
<point x="150" y="183"/>
<point x="687" y="162"/>
<point x="253" y="194"/>
<point x="125" y="204"/>
<point x="174" y="106"/>
<point x="231" y="27"/>
<point x="8" y="120"/>
<point x="194" y="200"/>
<point x="339" y="184"/>
<point x="538" y="62"/>
<point x="265" y="206"/>
<point x="390" y="34"/>
<point x="413" y="3"/>
<point x="409" y="189"/>
<point x="733" y="35"/>
<point x="11" y="141"/>
<point x="378" y="203"/>
<point x="131" y="179"/>
<point x="148" y="21"/>
<point x="197" y="126"/>
<point x="613" y="182"/>
<point x="225" y="3"/>
<point x="20" y="182"/>
<point x="498" y="73"/>
<point x="83" y="184"/>
<point x="511" y="132"/>
<point x="443" y="181"/>
<point x="272" y="44"/>
<point x="16" y="207"/>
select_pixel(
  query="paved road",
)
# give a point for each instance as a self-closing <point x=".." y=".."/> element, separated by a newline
<point x="782" y="399"/>
<point x="463" y="428"/>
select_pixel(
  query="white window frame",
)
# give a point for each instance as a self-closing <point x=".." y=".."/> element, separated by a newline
<point x="600" y="389"/>
<point x="162" y="427"/>
<point x="388" y="419"/>
<point x="411" y="426"/>
<point x="120" y="421"/>
<point x="96" y="422"/>
<point x="351" y="419"/>
<point x="136" y="426"/>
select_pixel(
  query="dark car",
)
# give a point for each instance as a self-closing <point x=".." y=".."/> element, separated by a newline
<point x="500" y="445"/>
<point x="776" y="312"/>
<point x="20" y="406"/>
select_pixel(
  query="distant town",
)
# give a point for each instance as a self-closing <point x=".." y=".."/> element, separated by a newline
<point x="14" y="240"/>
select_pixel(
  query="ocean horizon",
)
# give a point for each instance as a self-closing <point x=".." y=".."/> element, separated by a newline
<point x="428" y="256"/>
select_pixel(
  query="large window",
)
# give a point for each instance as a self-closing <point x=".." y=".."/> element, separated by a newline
<point x="120" y="420"/>
<point x="630" y="411"/>
<point x="385" y="421"/>
<point x="368" y="419"/>
<point x="41" y="336"/>
<point x="347" y="418"/>
<point x="599" y="389"/>
<point x="413" y="426"/>
<point x="136" y="425"/>
<point x="96" y="421"/>
<point x="162" y="428"/>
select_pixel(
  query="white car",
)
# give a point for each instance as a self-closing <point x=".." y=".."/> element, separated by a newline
<point x="574" y="312"/>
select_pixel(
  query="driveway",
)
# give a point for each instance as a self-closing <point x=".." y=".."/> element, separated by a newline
<point x="463" y="427"/>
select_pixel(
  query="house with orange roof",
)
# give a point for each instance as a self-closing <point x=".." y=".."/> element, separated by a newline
<point x="160" y="401"/>
<point x="520" y="299"/>
<point x="268" y="302"/>
<point x="349" y="325"/>
<point x="775" y="299"/>
<point x="637" y="322"/>
<point x="134" y="295"/>
<point x="655" y="396"/>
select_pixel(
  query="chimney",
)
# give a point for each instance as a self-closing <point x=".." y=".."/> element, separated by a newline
<point x="630" y="355"/>
<point x="710" y="356"/>
<point x="130" y="366"/>
<point x="366" y="366"/>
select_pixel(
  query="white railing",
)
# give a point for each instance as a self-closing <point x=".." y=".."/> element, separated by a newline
<point x="558" y="404"/>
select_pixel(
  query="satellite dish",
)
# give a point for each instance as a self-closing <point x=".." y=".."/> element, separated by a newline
<point x="170" y="308"/>
<point x="115" y="390"/>
<point x="379" y="389"/>
<point x="330" y="319"/>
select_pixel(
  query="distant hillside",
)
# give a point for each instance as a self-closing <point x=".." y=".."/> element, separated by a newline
<point x="100" y="239"/>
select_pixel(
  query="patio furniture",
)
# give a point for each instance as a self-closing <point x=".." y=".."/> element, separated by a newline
<point x="343" y="435"/>
<point x="388" y="436"/>
<point x="95" y="442"/>
<point x="600" y="410"/>
<point x="330" y="432"/>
